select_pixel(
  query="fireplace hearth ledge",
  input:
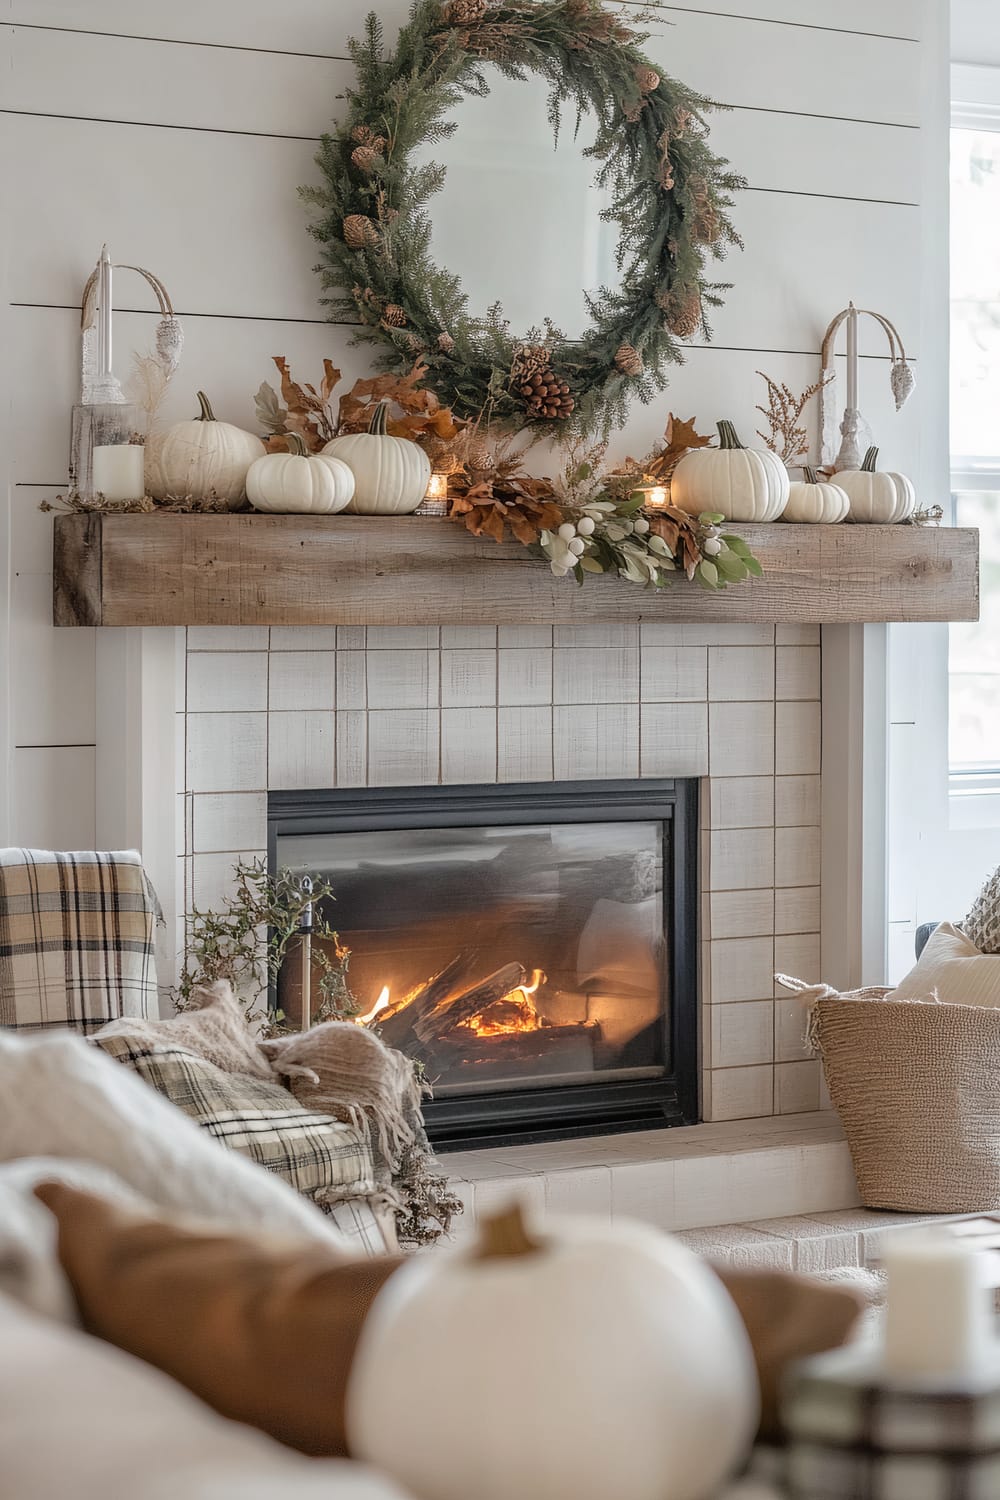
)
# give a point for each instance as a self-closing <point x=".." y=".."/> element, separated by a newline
<point x="689" y="1178"/>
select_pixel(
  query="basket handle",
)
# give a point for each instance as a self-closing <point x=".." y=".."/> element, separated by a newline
<point x="811" y="994"/>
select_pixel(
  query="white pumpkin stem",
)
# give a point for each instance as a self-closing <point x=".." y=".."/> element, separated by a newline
<point x="504" y="1234"/>
<point x="296" y="445"/>
<point x="809" y="475"/>
<point x="206" y="414"/>
<point x="871" y="458"/>
<point x="377" y="426"/>
<point x="727" y="436"/>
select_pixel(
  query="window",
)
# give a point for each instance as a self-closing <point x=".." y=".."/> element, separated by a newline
<point x="974" y="649"/>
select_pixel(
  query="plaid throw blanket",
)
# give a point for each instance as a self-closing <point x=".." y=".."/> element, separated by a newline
<point x="321" y="1157"/>
<point x="76" y="939"/>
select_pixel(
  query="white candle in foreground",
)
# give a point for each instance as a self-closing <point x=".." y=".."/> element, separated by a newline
<point x="118" y="471"/>
<point x="938" y="1308"/>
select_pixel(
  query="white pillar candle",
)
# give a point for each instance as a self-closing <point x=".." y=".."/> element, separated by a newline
<point x="938" y="1307"/>
<point x="852" y="358"/>
<point x="118" y="471"/>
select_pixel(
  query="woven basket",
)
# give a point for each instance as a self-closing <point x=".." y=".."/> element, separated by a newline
<point x="917" y="1088"/>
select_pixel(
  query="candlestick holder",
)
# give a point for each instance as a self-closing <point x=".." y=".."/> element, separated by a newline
<point x="855" y="434"/>
<point x="106" y="452"/>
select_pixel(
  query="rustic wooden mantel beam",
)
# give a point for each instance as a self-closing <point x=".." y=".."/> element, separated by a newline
<point x="170" y="569"/>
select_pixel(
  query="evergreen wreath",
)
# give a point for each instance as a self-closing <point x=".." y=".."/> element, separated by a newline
<point x="669" y="196"/>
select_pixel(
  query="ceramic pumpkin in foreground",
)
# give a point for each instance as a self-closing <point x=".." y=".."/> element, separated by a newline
<point x="882" y="499"/>
<point x="292" y="483"/>
<point x="595" y="1362"/>
<point x="202" y="458"/>
<point x="814" y="502"/>
<point x="737" y="483"/>
<point x="390" y="473"/>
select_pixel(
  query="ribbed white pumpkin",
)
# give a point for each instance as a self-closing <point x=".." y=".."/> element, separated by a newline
<point x="294" y="483"/>
<point x="202" y="458"/>
<point x="390" y="473"/>
<point x="815" y="502"/>
<point x="740" y="484"/>
<point x="882" y="499"/>
<point x="598" y="1362"/>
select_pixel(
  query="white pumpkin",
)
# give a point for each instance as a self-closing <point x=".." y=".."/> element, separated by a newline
<point x="882" y="499"/>
<point x="292" y="483"/>
<point x="597" y="1361"/>
<point x="815" y="502"/>
<point x="390" y="473"/>
<point x="740" y="484"/>
<point x="202" y="458"/>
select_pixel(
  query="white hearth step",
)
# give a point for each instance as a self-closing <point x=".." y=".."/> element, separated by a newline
<point x="776" y="1192"/>
<point x="691" y="1178"/>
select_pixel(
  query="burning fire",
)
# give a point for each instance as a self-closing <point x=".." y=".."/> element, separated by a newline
<point x="380" y="1005"/>
<point x="513" y="1012"/>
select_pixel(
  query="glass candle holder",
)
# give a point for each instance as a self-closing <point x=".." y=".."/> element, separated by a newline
<point x="657" y="497"/>
<point x="435" y="502"/>
<point x="107" y="455"/>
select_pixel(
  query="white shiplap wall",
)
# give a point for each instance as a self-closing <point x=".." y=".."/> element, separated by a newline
<point x="179" y="133"/>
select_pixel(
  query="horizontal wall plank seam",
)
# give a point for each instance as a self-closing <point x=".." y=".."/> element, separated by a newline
<point x="758" y="109"/>
<point x="728" y="15"/>
<point x="331" y="323"/>
<point x="691" y="10"/>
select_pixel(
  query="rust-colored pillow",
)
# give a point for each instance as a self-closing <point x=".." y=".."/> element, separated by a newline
<point x="262" y="1330"/>
<point x="788" y="1318"/>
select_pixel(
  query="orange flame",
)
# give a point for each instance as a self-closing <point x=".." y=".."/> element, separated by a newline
<point x="512" y="1013"/>
<point x="380" y="1005"/>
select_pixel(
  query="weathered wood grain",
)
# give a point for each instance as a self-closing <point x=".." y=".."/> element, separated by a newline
<point x="356" y="570"/>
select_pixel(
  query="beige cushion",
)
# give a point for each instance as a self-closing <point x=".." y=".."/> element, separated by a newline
<point x="951" y="968"/>
<point x="80" y="1420"/>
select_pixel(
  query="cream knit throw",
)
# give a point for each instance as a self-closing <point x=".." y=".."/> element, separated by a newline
<point x="343" y="1070"/>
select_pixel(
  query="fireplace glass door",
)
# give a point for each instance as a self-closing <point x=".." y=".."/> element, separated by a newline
<point x="518" y="958"/>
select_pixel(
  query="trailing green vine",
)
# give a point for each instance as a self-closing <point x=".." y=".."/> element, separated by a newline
<point x="669" y="198"/>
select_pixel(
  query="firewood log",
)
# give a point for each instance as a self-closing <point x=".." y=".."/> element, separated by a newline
<point x="453" y="1009"/>
<point x="396" y="1025"/>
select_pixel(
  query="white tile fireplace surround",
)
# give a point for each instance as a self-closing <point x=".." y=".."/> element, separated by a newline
<point x="737" y="705"/>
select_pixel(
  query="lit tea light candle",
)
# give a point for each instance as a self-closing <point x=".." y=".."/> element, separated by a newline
<point x="938" y="1306"/>
<point x="656" y="497"/>
<point x="435" y="502"/>
<point x="118" y="471"/>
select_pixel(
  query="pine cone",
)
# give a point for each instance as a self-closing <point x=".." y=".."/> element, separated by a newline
<point x="705" y="225"/>
<point x="545" y="395"/>
<point x="647" y="78"/>
<point x="364" y="158"/>
<point x="393" y="316"/>
<point x="359" y="232"/>
<point x="682" y="119"/>
<point x="446" y="343"/>
<point x="666" y="178"/>
<point x="464" y="12"/>
<point x="362" y="135"/>
<point x="683" y="311"/>
<point x="629" y="361"/>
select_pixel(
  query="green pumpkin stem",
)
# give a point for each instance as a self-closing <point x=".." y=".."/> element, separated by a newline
<point x="504" y="1234"/>
<point x="727" y="436"/>
<point x="206" y="414"/>
<point x="377" y="426"/>
<point x="871" y="457"/>
<point x="296" y="445"/>
<point x="809" y="475"/>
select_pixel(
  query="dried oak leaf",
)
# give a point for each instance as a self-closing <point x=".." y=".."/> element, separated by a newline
<point x="523" y="505"/>
<point x="680" y="532"/>
<point x="678" y="438"/>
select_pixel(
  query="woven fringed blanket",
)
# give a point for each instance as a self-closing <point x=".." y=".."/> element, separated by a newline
<point x="348" y="1072"/>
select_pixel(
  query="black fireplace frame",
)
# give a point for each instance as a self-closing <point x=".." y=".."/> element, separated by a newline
<point x="571" y="1110"/>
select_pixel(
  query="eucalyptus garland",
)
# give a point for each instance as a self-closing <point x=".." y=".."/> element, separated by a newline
<point x="669" y="196"/>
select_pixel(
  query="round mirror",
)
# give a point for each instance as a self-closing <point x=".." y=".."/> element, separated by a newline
<point x="518" y="218"/>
